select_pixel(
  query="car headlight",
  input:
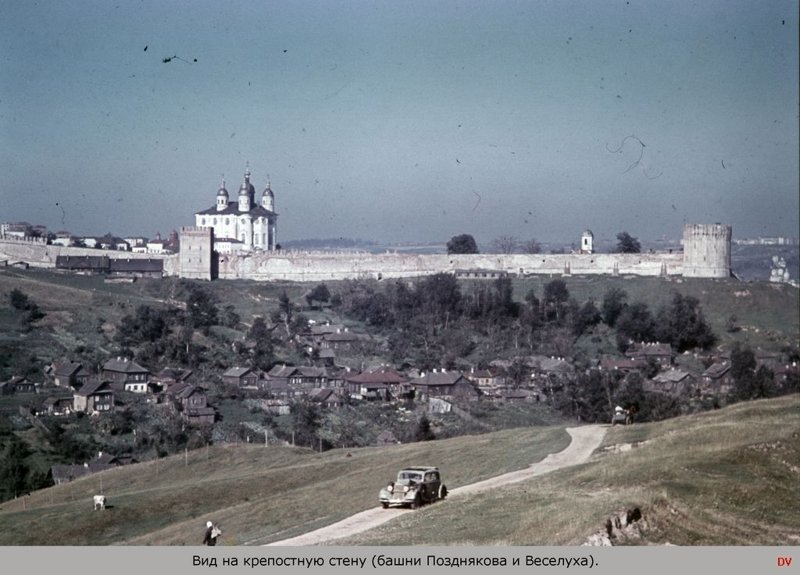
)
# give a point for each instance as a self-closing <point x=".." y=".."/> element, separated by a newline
<point x="405" y="488"/>
<point x="390" y="488"/>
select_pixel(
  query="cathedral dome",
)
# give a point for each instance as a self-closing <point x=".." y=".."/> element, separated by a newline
<point x="222" y="191"/>
<point x="268" y="192"/>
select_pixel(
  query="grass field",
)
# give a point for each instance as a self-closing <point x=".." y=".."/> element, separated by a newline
<point x="728" y="477"/>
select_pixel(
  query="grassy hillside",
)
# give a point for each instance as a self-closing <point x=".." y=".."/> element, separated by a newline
<point x="725" y="477"/>
<point x="728" y="477"/>
<point x="257" y="494"/>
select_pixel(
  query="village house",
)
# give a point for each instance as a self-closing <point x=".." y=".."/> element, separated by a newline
<point x="444" y="385"/>
<point x="136" y="268"/>
<point x="327" y="398"/>
<point x="661" y="353"/>
<point x="382" y="383"/>
<point x="193" y="403"/>
<point x="17" y="385"/>
<point x="86" y="265"/>
<point x="94" y="397"/>
<point x="341" y="341"/>
<point x="69" y="374"/>
<point x="786" y="372"/>
<point x="486" y="378"/>
<point x="294" y="381"/>
<point x="242" y="377"/>
<point x="624" y="365"/>
<point x="58" y="406"/>
<point x="168" y="377"/>
<point x="126" y="375"/>
<point x="717" y="379"/>
<point x="674" y="382"/>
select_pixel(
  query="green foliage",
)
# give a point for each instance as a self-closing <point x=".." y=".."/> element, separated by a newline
<point x="627" y="244"/>
<point x="21" y="302"/>
<point x="14" y="471"/>
<point x="682" y="325"/>
<point x="320" y="293"/>
<point x="200" y="306"/>
<point x="462" y="244"/>
<point x="614" y="303"/>
<point x="424" y="431"/>
<point x="587" y="316"/>
<point x="635" y="323"/>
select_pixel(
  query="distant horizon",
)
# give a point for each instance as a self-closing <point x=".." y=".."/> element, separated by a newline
<point x="603" y="241"/>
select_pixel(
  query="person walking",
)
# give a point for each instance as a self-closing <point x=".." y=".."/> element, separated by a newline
<point x="212" y="532"/>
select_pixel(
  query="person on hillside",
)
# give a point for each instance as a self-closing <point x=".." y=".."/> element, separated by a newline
<point x="212" y="532"/>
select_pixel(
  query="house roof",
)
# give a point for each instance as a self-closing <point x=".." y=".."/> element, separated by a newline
<point x="344" y="336"/>
<point x="671" y="376"/>
<point x="67" y="369"/>
<point x="174" y="374"/>
<point x="717" y="370"/>
<point x="282" y="371"/>
<point x="555" y="364"/>
<point x="381" y="375"/>
<point x="237" y="372"/>
<point x="124" y="365"/>
<point x="612" y="363"/>
<point x="94" y="387"/>
<point x="438" y="378"/>
<point x="82" y="262"/>
<point x="650" y="349"/>
<point x="136" y="265"/>
<point x="188" y="391"/>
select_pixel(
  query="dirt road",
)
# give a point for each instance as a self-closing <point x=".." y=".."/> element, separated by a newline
<point x="585" y="440"/>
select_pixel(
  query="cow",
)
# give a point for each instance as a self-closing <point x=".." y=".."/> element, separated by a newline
<point x="99" y="502"/>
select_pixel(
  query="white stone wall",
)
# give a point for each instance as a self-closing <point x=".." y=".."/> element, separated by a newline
<point x="322" y="266"/>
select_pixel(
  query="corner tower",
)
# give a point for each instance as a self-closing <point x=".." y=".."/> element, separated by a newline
<point x="706" y="251"/>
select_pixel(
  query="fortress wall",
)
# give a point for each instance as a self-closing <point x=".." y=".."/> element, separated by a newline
<point x="37" y="253"/>
<point x="322" y="266"/>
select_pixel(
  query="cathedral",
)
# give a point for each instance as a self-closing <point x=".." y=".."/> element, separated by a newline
<point x="244" y="224"/>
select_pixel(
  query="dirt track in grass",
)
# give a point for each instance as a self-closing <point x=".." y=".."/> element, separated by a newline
<point x="585" y="440"/>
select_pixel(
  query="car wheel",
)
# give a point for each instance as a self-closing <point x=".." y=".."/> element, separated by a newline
<point x="416" y="503"/>
<point x="384" y="505"/>
<point x="442" y="491"/>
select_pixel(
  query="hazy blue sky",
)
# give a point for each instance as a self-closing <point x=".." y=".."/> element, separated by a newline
<point x="404" y="120"/>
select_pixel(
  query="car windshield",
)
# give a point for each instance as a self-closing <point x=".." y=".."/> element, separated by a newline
<point x="409" y="476"/>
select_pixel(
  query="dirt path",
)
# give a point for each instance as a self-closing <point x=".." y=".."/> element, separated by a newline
<point x="585" y="440"/>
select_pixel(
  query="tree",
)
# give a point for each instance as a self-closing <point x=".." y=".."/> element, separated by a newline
<point x="424" y="431"/>
<point x="613" y="304"/>
<point x="587" y="316"/>
<point x="20" y="301"/>
<point x="200" y="306"/>
<point x="532" y="247"/>
<point x="505" y="244"/>
<point x="635" y="323"/>
<point x="627" y="244"/>
<point x="13" y="469"/>
<point x="320" y="293"/>
<point x="682" y="324"/>
<point x="463" y="244"/>
<point x="556" y="296"/>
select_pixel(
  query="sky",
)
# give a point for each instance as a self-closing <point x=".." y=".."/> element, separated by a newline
<point x="407" y="121"/>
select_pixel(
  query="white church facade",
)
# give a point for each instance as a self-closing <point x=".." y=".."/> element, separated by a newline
<point x="242" y="225"/>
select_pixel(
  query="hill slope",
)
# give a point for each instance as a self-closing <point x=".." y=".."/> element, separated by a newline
<point x="724" y="477"/>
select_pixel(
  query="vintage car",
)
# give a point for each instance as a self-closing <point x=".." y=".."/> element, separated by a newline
<point x="413" y="487"/>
